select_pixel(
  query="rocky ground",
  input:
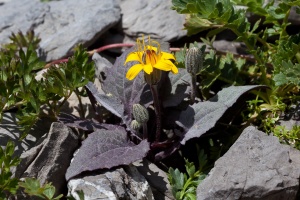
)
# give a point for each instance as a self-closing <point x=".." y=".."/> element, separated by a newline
<point x="257" y="166"/>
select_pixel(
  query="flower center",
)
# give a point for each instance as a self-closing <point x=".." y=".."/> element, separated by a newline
<point x="149" y="57"/>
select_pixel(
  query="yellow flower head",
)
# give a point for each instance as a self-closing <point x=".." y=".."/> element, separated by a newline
<point x="149" y="56"/>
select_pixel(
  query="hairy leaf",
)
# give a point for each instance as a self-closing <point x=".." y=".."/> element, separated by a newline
<point x="175" y="88"/>
<point x="207" y="14"/>
<point x="111" y="103"/>
<point x="121" y="93"/>
<point x="104" y="149"/>
<point x="83" y="124"/>
<point x="286" y="61"/>
<point x="289" y="73"/>
<point x="201" y="117"/>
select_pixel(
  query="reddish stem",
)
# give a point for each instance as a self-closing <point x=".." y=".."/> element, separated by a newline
<point x="157" y="110"/>
<point x="110" y="46"/>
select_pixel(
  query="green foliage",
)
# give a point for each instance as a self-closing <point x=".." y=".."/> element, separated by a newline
<point x="276" y="56"/>
<point x="220" y="15"/>
<point x="20" y="89"/>
<point x="33" y="187"/>
<point x="8" y="184"/>
<point x="290" y="137"/>
<point x="228" y="69"/>
<point x="286" y="61"/>
<point x="80" y="195"/>
<point x="184" y="185"/>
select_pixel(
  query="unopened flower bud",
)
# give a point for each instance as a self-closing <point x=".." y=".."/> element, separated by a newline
<point x="154" y="77"/>
<point x="135" y="125"/>
<point x="140" y="113"/>
<point x="194" y="60"/>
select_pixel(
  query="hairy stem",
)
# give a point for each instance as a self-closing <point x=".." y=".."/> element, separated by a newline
<point x="157" y="110"/>
<point x="193" y="89"/>
<point x="145" y="131"/>
<point x="81" y="110"/>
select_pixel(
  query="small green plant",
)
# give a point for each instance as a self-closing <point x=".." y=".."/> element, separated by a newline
<point x="32" y="187"/>
<point x="184" y="185"/>
<point x="8" y="184"/>
<point x="290" y="137"/>
<point x="274" y="60"/>
<point x="20" y="88"/>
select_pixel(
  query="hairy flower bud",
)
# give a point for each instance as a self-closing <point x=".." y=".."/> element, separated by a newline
<point x="140" y="113"/>
<point x="135" y="125"/>
<point x="194" y="60"/>
<point x="154" y="77"/>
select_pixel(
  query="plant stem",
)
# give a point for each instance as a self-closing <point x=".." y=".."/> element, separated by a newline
<point x="81" y="111"/>
<point x="145" y="131"/>
<point x="260" y="61"/>
<point x="193" y="89"/>
<point x="156" y="102"/>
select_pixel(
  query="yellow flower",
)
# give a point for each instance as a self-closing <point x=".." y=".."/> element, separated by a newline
<point x="149" y="56"/>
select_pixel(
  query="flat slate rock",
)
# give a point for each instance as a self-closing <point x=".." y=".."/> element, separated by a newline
<point x="154" y="18"/>
<point x="60" y="24"/>
<point x="120" y="183"/>
<point x="10" y="131"/>
<point x="48" y="161"/>
<point x="257" y="166"/>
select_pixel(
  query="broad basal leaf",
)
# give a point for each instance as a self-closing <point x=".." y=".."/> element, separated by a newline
<point x="111" y="103"/>
<point x="175" y="88"/>
<point x="83" y="124"/>
<point x="104" y="149"/>
<point x="201" y="117"/>
<point x="120" y="91"/>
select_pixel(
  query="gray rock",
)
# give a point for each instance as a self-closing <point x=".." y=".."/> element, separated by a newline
<point x="232" y="47"/>
<point x="120" y="183"/>
<point x="291" y="117"/>
<point x="154" y="18"/>
<point x="294" y="17"/>
<point x="2" y="2"/>
<point x="9" y="130"/>
<point x="157" y="178"/>
<point x="48" y="162"/>
<point x="19" y="15"/>
<point x="257" y="166"/>
<point x="100" y="64"/>
<point x="60" y="24"/>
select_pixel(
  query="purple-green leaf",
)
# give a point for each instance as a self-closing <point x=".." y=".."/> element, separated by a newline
<point x="104" y="149"/>
<point x="121" y="93"/>
<point x="175" y="88"/>
<point x="201" y="117"/>
<point x="83" y="124"/>
<point x="111" y="103"/>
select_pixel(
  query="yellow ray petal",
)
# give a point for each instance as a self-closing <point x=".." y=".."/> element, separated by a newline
<point x="160" y="65"/>
<point x="134" y="56"/>
<point x="167" y="56"/>
<point x="133" y="71"/>
<point x="174" y="69"/>
<point x="164" y="65"/>
<point x="148" y="68"/>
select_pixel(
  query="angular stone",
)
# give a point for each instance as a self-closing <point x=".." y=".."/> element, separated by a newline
<point x="256" y="166"/>
<point x="61" y="25"/>
<point x="120" y="183"/>
<point x="10" y="130"/>
<point x="157" y="178"/>
<point x="48" y="162"/>
<point x="100" y="64"/>
<point x="152" y="18"/>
